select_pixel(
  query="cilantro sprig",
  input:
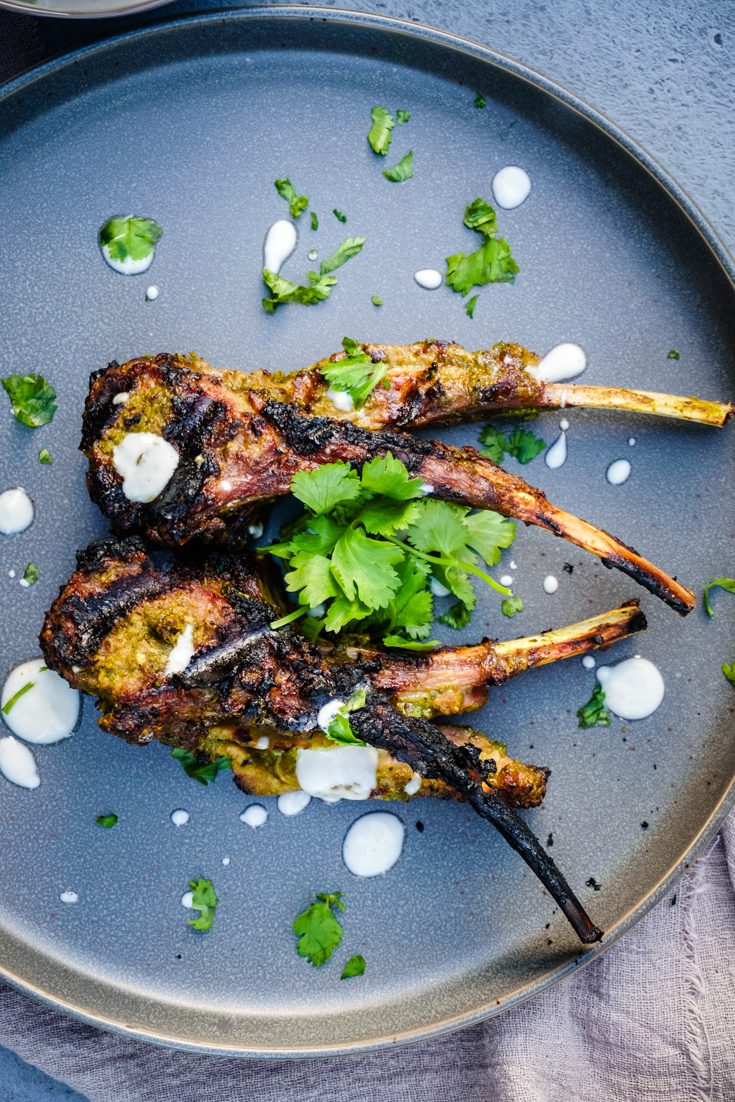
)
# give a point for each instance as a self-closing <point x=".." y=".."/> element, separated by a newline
<point x="402" y="171"/>
<point x="204" y="899"/>
<point x="31" y="574"/>
<point x="339" y="730"/>
<point x="296" y="203"/>
<point x="355" y="965"/>
<point x="318" y="931"/>
<point x="727" y="584"/>
<point x="345" y="553"/>
<point x="319" y="287"/>
<point x="521" y="444"/>
<point x="593" y="713"/>
<point x="355" y="373"/>
<point x="129" y="237"/>
<point x="492" y="263"/>
<point x="33" y="399"/>
<point x="205" y="773"/>
<point x="379" y="134"/>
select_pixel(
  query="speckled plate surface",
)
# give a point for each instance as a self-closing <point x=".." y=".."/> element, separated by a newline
<point x="190" y="123"/>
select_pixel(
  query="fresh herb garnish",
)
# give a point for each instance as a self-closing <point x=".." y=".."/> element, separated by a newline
<point x="379" y="134"/>
<point x="317" y="929"/>
<point x="296" y="203"/>
<point x="480" y="101"/>
<point x="106" y="820"/>
<point x="32" y="398"/>
<point x="673" y="355"/>
<point x="129" y="237"/>
<point x="723" y="583"/>
<point x="355" y="965"/>
<point x="350" y="247"/>
<point x="31" y="574"/>
<point x="521" y="444"/>
<point x="470" y="307"/>
<point x="402" y="116"/>
<point x="204" y="900"/>
<point x="16" y="697"/>
<point x="355" y="373"/>
<point x="339" y="215"/>
<point x="339" y="730"/>
<point x="314" y="221"/>
<point x="729" y="672"/>
<point x="285" y="291"/>
<point x="409" y="644"/>
<point x="205" y="773"/>
<point x="402" y="171"/>
<point x="511" y="605"/>
<point x="492" y="263"/>
<point x="593" y="713"/>
<point x="376" y="301"/>
<point x="44" y="456"/>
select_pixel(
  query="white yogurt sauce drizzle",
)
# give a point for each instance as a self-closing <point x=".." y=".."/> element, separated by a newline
<point x="146" y="463"/>
<point x="128" y="266"/>
<point x="254" y="816"/>
<point x="17" y="763"/>
<point x="413" y="785"/>
<point x="427" y="489"/>
<point x="16" y="511"/>
<point x="263" y="743"/>
<point x="437" y="588"/>
<point x="618" y="472"/>
<point x="46" y="713"/>
<point x="564" y="424"/>
<point x="121" y="398"/>
<point x="511" y="187"/>
<point x="633" y="689"/>
<point x="565" y="361"/>
<point x="373" y="844"/>
<point x="506" y="579"/>
<point x="328" y="712"/>
<point x="551" y="584"/>
<point x="631" y="441"/>
<point x="556" y="455"/>
<point x="225" y="860"/>
<point x="280" y="242"/>
<point x="340" y="399"/>
<point x="180" y="817"/>
<point x="187" y="899"/>
<point x="152" y="293"/>
<point x="182" y="653"/>
<point x="428" y="278"/>
<point x="293" y="803"/>
<point x="342" y="773"/>
<point x="589" y="662"/>
<point x="69" y="897"/>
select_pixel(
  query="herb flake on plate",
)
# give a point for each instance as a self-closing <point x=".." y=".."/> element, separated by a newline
<point x="206" y="772"/>
<point x="33" y="399"/>
<point x="318" y="931"/>
<point x="402" y="171"/>
<point x="106" y="821"/>
<point x="521" y="444"/>
<point x="296" y="203"/>
<point x="129" y="237"/>
<point x="355" y="965"/>
<point x="204" y="899"/>
<point x="593" y="713"/>
<point x="492" y="263"/>
<point x="44" y="456"/>
<point x="379" y="134"/>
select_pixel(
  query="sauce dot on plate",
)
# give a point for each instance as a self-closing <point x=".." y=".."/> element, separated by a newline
<point x="551" y="584"/>
<point x="46" y="708"/>
<point x="633" y="688"/>
<point x="373" y="843"/>
<point x="588" y="662"/>
<point x="254" y="816"/>
<point x="511" y="187"/>
<point x="179" y="817"/>
<point x="293" y="803"/>
<point x="618" y="472"/>
<point x="187" y="899"/>
<point x="69" y="897"/>
<point x="152" y="293"/>
<point x="16" y="511"/>
<point x="428" y="278"/>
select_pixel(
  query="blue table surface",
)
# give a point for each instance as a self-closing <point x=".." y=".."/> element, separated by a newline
<point x="662" y="69"/>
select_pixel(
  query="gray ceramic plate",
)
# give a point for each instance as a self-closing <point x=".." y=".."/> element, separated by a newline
<point x="80" y="9"/>
<point x="190" y="123"/>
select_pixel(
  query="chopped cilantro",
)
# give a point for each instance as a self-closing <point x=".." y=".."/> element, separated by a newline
<point x="356" y="373"/>
<point x="317" y="929"/>
<point x="31" y="574"/>
<point x="129" y="237"/>
<point x="350" y="247"/>
<point x="480" y="101"/>
<point x="470" y="307"/>
<point x="492" y="263"/>
<point x="339" y="215"/>
<point x="402" y="116"/>
<point x="106" y="821"/>
<point x="673" y="355"/>
<point x="723" y="583"/>
<point x="32" y="398"/>
<point x="376" y="301"/>
<point x="285" y="291"/>
<point x="339" y="730"/>
<point x="355" y="965"/>
<point x="521" y="444"/>
<point x="204" y="900"/>
<point x="44" y="456"/>
<point x="379" y="134"/>
<point x="729" y="672"/>
<point x="296" y="203"/>
<point x="16" y="697"/>
<point x="511" y="605"/>
<point x="402" y="171"/>
<point x="314" y="221"/>
<point x="593" y="713"/>
<point x="205" y="773"/>
<point x="457" y="617"/>
<point x="409" y="644"/>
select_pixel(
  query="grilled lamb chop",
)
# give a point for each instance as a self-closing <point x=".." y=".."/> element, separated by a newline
<point x="238" y="448"/>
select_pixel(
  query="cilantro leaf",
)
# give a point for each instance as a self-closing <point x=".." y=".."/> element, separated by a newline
<point x="285" y="291"/>
<point x="32" y="398"/>
<point x="492" y="263"/>
<point x="723" y="583"/>
<point x="31" y="574"/>
<point x="408" y="644"/>
<point x="296" y="203"/>
<point x="496" y="444"/>
<point x="729" y="672"/>
<point x="488" y="533"/>
<point x="387" y="475"/>
<point x="379" y="134"/>
<point x="339" y="730"/>
<point x="339" y="215"/>
<point x="470" y="307"/>
<point x="480" y="100"/>
<point x="317" y="929"/>
<point x="311" y="577"/>
<point x="402" y="116"/>
<point x="402" y="171"/>
<point x="376" y="301"/>
<point x="129" y="237"/>
<point x="327" y="486"/>
<point x="356" y="965"/>
<point x="319" y="538"/>
<point x="364" y="568"/>
<point x="385" y="518"/>
<point x="204" y="900"/>
<point x="16" y="697"/>
<point x="355" y="373"/>
<point x="413" y="606"/>
<point x="524" y="445"/>
<point x="44" y="456"/>
<point x="593" y="714"/>
<point x="205" y="773"/>
<point x="480" y="216"/>
<point x="440" y="528"/>
<point x="457" y="617"/>
<point x="511" y="605"/>
<point x="341" y="612"/>
<point x="673" y="355"/>
<point x="350" y="247"/>
<point x="314" y="221"/>
<point x="106" y="821"/>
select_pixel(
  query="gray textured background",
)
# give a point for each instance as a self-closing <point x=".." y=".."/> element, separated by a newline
<point x="664" y="72"/>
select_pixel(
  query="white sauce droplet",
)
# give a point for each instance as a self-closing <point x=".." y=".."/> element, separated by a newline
<point x="16" y="511"/>
<point x="428" y="278"/>
<point x="631" y="441"/>
<point x="633" y="689"/>
<point x="618" y="472"/>
<point x="513" y="565"/>
<point x="121" y="398"/>
<point x="152" y="293"/>
<point x="128" y="266"/>
<point x="413" y="785"/>
<point x="342" y="773"/>
<point x="427" y="489"/>
<point x="563" y="402"/>
<point x="312" y="254"/>
<point x="263" y="743"/>
<point x="280" y="242"/>
<point x="293" y="803"/>
<point x="437" y="588"/>
<point x="17" y="763"/>
<point x="146" y="463"/>
<point x="328" y="712"/>
<point x="187" y="899"/>
<point x="340" y="399"/>
<point x="225" y="860"/>
<point x="180" y="817"/>
<point x="588" y="662"/>
<point x="225" y="485"/>
<point x="551" y="584"/>
<point x="317" y="611"/>
<point x="69" y="897"/>
<point x="11" y="573"/>
<point x="373" y="844"/>
<point x="556" y="455"/>
<point x="564" y="424"/>
<point x="511" y="187"/>
<point x="562" y="362"/>
<point x="24" y="583"/>
<point x="256" y="530"/>
<point x="46" y="713"/>
<point x="254" y="816"/>
<point x="506" y="580"/>
<point x="181" y="655"/>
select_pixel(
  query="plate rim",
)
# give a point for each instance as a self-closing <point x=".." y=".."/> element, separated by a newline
<point x="426" y="33"/>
